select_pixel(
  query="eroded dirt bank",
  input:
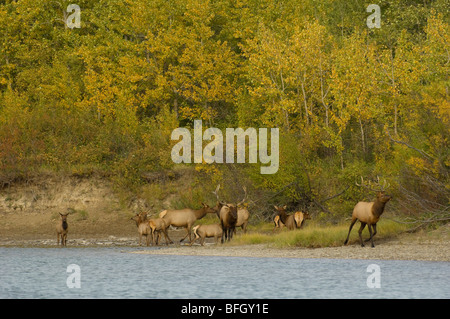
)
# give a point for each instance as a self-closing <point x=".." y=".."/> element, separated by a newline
<point x="28" y="214"/>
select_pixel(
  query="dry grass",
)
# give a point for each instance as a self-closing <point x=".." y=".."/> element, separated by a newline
<point x="314" y="235"/>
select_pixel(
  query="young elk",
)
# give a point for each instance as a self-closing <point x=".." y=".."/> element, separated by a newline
<point x="203" y="231"/>
<point x="62" y="228"/>
<point x="368" y="213"/>
<point x="158" y="226"/>
<point x="143" y="227"/>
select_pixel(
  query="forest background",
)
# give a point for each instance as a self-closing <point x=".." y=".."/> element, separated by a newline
<point x="350" y="101"/>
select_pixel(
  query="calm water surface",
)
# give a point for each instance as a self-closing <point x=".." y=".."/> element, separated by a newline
<point x="117" y="273"/>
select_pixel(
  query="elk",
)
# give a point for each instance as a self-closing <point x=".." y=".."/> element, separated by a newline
<point x="368" y="213"/>
<point x="285" y="219"/>
<point x="242" y="221"/>
<point x="229" y="215"/>
<point x="300" y="218"/>
<point x="242" y="212"/>
<point x="143" y="227"/>
<point x="62" y="228"/>
<point x="158" y="226"/>
<point x="185" y="217"/>
<point x="203" y="231"/>
<point x="228" y="219"/>
<point x="294" y="221"/>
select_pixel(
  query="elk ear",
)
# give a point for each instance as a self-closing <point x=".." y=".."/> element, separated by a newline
<point x="276" y="207"/>
<point x="284" y="207"/>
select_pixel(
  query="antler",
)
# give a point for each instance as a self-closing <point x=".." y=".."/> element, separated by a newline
<point x="380" y="188"/>
<point x="384" y="187"/>
<point x="216" y="192"/>
<point x="245" y="196"/>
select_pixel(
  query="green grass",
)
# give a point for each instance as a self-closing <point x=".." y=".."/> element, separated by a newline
<point x="313" y="235"/>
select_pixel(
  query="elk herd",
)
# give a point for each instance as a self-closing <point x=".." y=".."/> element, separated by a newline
<point x="232" y="215"/>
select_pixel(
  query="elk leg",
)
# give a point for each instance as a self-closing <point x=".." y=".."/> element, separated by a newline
<point x="154" y="238"/>
<point x="57" y="238"/>
<point x="371" y="235"/>
<point x="349" y="230"/>
<point x="188" y="233"/>
<point x="360" y="233"/>
<point x="166" y="236"/>
<point x="166" y="233"/>
<point x="244" y="228"/>
<point x="224" y="235"/>
<point x="230" y="233"/>
<point x="374" y="226"/>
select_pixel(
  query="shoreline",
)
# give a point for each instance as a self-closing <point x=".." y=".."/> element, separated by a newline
<point x="419" y="252"/>
<point x="403" y="248"/>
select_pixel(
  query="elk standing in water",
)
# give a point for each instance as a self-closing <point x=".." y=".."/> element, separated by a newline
<point x="62" y="228"/>
<point x="368" y="213"/>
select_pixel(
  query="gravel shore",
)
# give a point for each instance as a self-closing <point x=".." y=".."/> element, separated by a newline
<point x="432" y="251"/>
<point x="431" y="246"/>
<point x="403" y="248"/>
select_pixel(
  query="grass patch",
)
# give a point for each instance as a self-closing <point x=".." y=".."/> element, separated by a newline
<point x="315" y="235"/>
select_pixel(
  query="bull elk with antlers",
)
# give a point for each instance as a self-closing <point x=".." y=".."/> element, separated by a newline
<point x="229" y="215"/>
<point x="369" y="213"/>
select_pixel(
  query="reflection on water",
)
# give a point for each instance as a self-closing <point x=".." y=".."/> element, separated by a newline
<point x="116" y="273"/>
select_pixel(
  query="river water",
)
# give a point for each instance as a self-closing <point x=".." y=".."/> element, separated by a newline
<point x="118" y="273"/>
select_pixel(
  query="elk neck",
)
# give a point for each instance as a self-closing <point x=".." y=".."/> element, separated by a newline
<point x="64" y="225"/>
<point x="378" y="207"/>
<point x="200" y="213"/>
<point x="283" y="216"/>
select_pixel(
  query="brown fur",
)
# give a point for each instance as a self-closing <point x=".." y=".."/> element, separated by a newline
<point x="300" y="218"/>
<point x="287" y="220"/>
<point x="158" y="226"/>
<point x="228" y="219"/>
<point x="242" y="218"/>
<point x="203" y="231"/>
<point x="227" y="214"/>
<point x="185" y="217"/>
<point x="293" y="221"/>
<point x="62" y="228"/>
<point x="143" y="227"/>
<point x="368" y="213"/>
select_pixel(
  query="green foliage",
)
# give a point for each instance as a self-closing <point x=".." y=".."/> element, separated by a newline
<point x="349" y="101"/>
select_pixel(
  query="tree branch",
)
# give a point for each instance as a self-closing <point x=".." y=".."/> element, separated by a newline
<point x="412" y="147"/>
